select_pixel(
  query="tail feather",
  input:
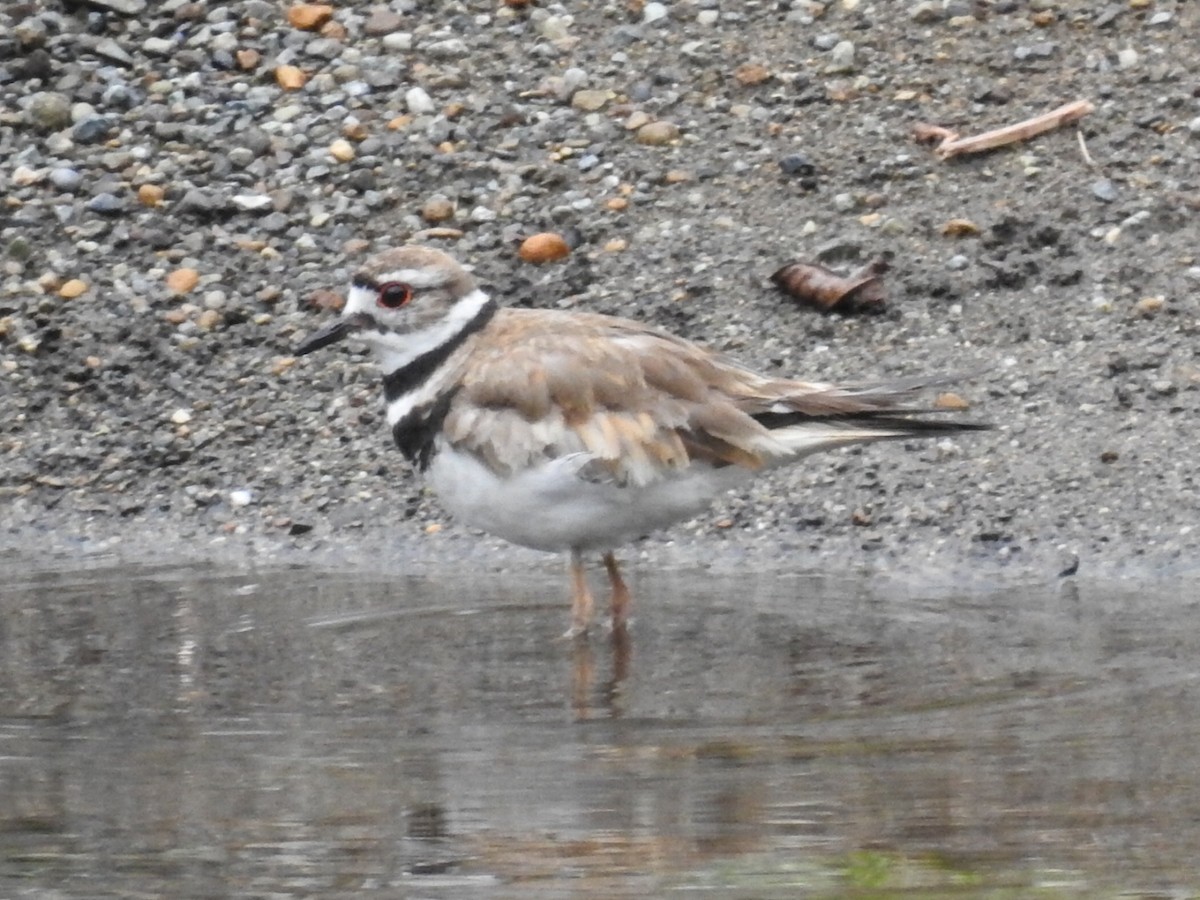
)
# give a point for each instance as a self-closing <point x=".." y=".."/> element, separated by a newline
<point x="805" y="437"/>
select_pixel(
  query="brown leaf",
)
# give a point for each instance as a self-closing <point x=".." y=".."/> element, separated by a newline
<point x="824" y="288"/>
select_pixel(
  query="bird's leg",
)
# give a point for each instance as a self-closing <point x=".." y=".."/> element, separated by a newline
<point x="619" y="603"/>
<point x="581" y="598"/>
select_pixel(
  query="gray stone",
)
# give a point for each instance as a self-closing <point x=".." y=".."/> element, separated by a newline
<point x="65" y="179"/>
<point x="382" y="21"/>
<point x="49" y="111"/>
<point x="1104" y="190"/>
<point x="419" y="102"/>
<point x="157" y="46"/>
<point x="91" y="130"/>
<point x="106" y="204"/>
<point x="654" y="12"/>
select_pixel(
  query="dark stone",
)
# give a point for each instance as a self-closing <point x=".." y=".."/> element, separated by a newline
<point x="797" y="164"/>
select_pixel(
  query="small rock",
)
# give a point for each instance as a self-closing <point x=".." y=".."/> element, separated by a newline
<point x="657" y="133"/>
<point x="797" y="164"/>
<point x="751" y="74"/>
<point x="437" y="209"/>
<point x="342" y="150"/>
<point x="91" y="130"/>
<point x="545" y="247"/>
<point x="112" y="51"/>
<point x="960" y="228"/>
<point x="65" y="179"/>
<point x="72" y="289"/>
<point x="950" y="400"/>
<point x="23" y="176"/>
<point x="1127" y="58"/>
<point x="48" y="111"/>
<point x="181" y="281"/>
<point x="209" y="319"/>
<point x="957" y="262"/>
<point x="181" y="417"/>
<point x="309" y="16"/>
<point x="1104" y="190"/>
<point x="653" y="12"/>
<point x="150" y="194"/>
<point x="1149" y="306"/>
<point x="636" y="120"/>
<point x="590" y="100"/>
<point x="158" y="46"/>
<point x="841" y="57"/>
<point x="106" y="204"/>
<point x="382" y="21"/>
<point x="253" y="202"/>
<point x="708" y="17"/>
<point x="240" y="498"/>
<point x="419" y="103"/>
<point x="290" y="78"/>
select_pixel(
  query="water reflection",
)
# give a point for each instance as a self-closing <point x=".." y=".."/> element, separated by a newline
<point x="185" y="732"/>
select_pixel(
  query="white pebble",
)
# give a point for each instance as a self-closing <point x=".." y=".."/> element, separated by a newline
<point x="419" y="103"/>
<point x="181" y="417"/>
<point x="652" y="12"/>
<point x="240" y="498"/>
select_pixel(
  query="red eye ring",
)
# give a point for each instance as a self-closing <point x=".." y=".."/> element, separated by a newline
<point x="393" y="294"/>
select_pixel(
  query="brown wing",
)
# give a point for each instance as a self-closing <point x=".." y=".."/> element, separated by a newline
<point x="642" y="404"/>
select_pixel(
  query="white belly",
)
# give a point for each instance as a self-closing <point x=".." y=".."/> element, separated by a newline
<point x="551" y="508"/>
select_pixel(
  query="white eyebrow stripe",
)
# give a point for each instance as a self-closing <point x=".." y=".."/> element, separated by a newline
<point x="417" y="278"/>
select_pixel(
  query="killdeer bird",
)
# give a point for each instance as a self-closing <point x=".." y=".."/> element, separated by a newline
<point x="563" y="430"/>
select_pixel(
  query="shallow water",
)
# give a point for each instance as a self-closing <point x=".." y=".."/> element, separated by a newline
<point x="291" y="733"/>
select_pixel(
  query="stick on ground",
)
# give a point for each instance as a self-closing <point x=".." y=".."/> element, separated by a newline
<point x="952" y="145"/>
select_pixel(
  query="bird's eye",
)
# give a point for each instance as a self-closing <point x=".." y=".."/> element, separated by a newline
<point x="394" y="294"/>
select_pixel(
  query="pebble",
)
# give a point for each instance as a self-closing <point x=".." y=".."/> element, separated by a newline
<point x="91" y="130"/>
<point x="841" y="57"/>
<point x="1104" y="190"/>
<point x="309" y="16"/>
<point x="657" y="133"/>
<point x="545" y="247"/>
<point x="240" y="498"/>
<point x="957" y="262"/>
<point x="181" y="417"/>
<point x="797" y="164"/>
<point x="65" y="178"/>
<point x="590" y="100"/>
<point x="150" y="194"/>
<point x="157" y="46"/>
<point x="181" y="281"/>
<point x="381" y="21"/>
<point x="437" y="209"/>
<point x="1127" y="58"/>
<point x="73" y="288"/>
<point x="290" y="78"/>
<point x="48" y="111"/>
<point x="653" y="12"/>
<point x="106" y="204"/>
<point x="418" y="102"/>
<point x="342" y="150"/>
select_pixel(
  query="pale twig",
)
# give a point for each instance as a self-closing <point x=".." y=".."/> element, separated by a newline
<point x="1087" y="157"/>
<point x="952" y="145"/>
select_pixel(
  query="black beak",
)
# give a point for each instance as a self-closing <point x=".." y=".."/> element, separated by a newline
<point x="330" y="334"/>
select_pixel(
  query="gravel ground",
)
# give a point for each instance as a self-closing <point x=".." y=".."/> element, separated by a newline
<point x="175" y="220"/>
